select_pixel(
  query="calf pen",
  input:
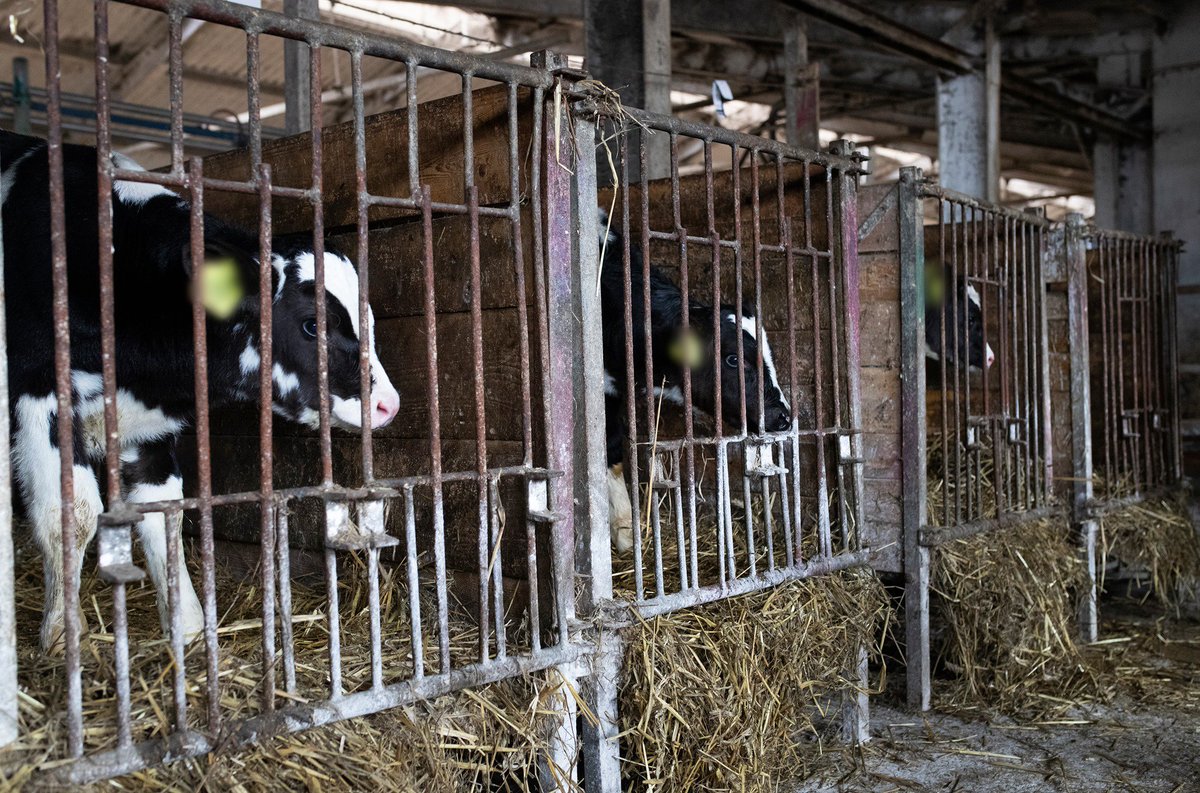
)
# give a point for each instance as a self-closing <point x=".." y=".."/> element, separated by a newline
<point x="471" y="225"/>
<point x="1113" y="298"/>
<point x="964" y="449"/>
<point x="1077" y="419"/>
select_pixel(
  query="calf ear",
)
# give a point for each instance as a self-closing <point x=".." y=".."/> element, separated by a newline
<point x="228" y="277"/>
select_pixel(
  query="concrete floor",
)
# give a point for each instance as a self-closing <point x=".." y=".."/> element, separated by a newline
<point x="1146" y="738"/>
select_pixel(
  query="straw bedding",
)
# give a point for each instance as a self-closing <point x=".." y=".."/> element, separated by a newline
<point x="742" y="694"/>
<point x="483" y="739"/>
<point x="1156" y="545"/>
<point x="1004" y="606"/>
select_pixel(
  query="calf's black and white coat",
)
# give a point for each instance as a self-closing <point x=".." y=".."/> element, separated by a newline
<point x="666" y="325"/>
<point x="154" y="352"/>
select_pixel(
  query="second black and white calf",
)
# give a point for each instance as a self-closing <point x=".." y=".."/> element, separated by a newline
<point x="154" y="350"/>
<point x="666" y="334"/>
<point x="966" y="342"/>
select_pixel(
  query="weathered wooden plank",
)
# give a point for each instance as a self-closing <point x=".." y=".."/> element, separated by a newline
<point x="440" y="155"/>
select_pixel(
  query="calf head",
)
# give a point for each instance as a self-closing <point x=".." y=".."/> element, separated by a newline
<point x="294" y="361"/>
<point x="965" y="333"/>
<point x="698" y="351"/>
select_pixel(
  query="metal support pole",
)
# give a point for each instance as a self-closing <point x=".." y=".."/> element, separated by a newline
<point x="628" y="46"/>
<point x="968" y="111"/>
<point x="1075" y="251"/>
<point x="593" y="546"/>
<point x="801" y="89"/>
<point x="20" y="87"/>
<point x="559" y="771"/>
<point x="913" y="474"/>
<point x="296" y="96"/>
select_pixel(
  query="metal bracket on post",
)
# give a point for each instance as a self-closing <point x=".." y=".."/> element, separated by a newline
<point x="115" y="548"/>
<point x="343" y="534"/>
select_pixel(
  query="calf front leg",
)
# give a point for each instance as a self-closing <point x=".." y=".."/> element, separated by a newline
<point x="38" y="473"/>
<point x="620" y="510"/>
<point x="150" y="473"/>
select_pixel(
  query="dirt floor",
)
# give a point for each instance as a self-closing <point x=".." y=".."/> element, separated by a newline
<point x="1145" y="737"/>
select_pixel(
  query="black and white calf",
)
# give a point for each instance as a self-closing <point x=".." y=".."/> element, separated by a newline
<point x="965" y="333"/>
<point x="666" y="328"/>
<point x="154" y="355"/>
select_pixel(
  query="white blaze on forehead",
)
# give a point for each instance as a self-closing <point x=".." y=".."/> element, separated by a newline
<point x="136" y="193"/>
<point x="750" y="326"/>
<point x="973" y="295"/>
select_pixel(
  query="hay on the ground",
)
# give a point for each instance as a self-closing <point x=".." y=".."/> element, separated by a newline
<point x="1155" y="544"/>
<point x="741" y="694"/>
<point x="1006" y="608"/>
<point x="483" y="739"/>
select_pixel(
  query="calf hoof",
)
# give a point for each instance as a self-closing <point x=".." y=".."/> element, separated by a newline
<point x="622" y="538"/>
<point x="54" y="635"/>
<point x="191" y="620"/>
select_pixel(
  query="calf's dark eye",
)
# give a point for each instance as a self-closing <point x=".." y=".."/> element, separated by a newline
<point x="731" y="361"/>
<point x="309" y="326"/>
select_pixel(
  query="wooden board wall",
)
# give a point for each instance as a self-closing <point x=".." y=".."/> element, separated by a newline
<point x="879" y="299"/>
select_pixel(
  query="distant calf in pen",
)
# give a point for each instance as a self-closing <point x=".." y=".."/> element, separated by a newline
<point x="152" y="268"/>
<point x="674" y="349"/>
<point x="954" y="325"/>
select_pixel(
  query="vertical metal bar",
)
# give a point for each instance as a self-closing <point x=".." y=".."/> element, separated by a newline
<point x="835" y="338"/>
<point x="175" y="82"/>
<point x="913" y="474"/>
<point x="518" y="254"/>
<point x="631" y="389"/>
<point x="203" y="470"/>
<point x="266" y="452"/>
<point x="283" y="561"/>
<point x="435" y="432"/>
<point x="483" y="542"/>
<point x="689" y="456"/>
<point x="363" y="260"/>
<point x="944" y="362"/>
<point x="62" y="382"/>
<point x="714" y="238"/>
<point x="1044" y="349"/>
<point x="414" y="586"/>
<point x="120" y="624"/>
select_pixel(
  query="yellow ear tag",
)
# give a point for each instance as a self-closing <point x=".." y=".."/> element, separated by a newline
<point x="220" y="287"/>
<point x="687" y="350"/>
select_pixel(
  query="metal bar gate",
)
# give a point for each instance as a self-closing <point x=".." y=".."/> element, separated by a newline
<point x="974" y="368"/>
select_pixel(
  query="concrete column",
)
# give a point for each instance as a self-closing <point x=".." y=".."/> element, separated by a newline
<point x="1123" y="183"/>
<point x="298" y="109"/>
<point x="1176" y="169"/>
<point x="969" y="121"/>
<point x="628" y="48"/>
<point x="801" y="93"/>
